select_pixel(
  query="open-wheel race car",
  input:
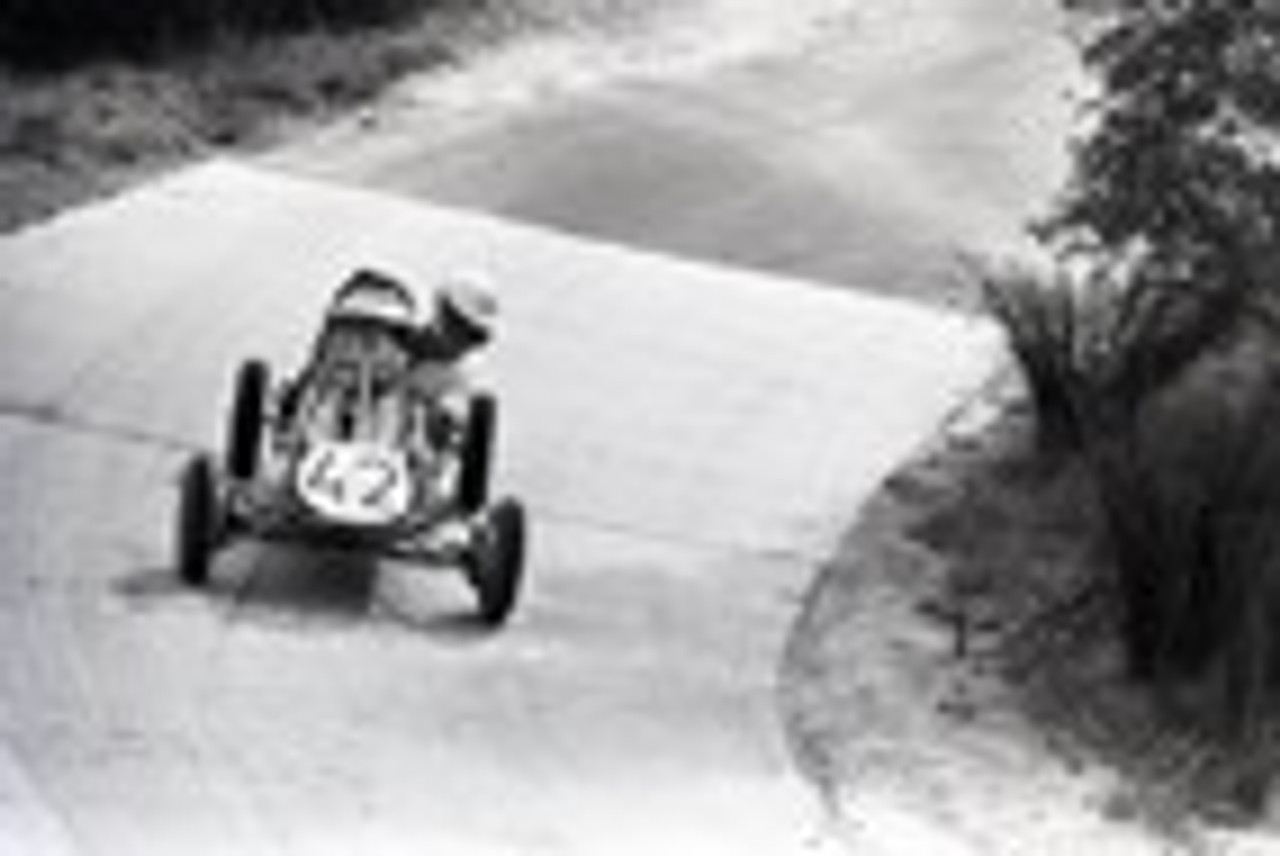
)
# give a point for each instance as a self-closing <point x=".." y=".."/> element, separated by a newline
<point x="357" y="450"/>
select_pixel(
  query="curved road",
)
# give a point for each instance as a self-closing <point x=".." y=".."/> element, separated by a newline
<point x="691" y="439"/>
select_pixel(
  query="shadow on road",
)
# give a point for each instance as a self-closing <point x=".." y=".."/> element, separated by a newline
<point x="434" y="602"/>
<point x="309" y="587"/>
<point x="318" y="590"/>
<point x="148" y="586"/>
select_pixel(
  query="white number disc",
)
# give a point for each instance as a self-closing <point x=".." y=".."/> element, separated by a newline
<point x="355" y="483"/>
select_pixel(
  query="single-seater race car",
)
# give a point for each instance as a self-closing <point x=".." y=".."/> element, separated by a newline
<point x="350" y="452"/>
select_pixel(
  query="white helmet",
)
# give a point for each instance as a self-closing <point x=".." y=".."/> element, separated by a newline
<point x="469" y="299"/>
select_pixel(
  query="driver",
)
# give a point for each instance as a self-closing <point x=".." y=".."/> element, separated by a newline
<point x="463" y="314"/>
<point x="373" y="320"/>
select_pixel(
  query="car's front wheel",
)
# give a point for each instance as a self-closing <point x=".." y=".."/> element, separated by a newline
<point x="476" y="456"/>
<point x="198" y="521"/>
<point x="497" y="561"/>
<point x="247" y="418"/>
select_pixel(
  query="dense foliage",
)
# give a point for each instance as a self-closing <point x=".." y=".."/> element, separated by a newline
<point x="1190" y="93"/>
<point x="1174" y="213"/>
<point x="56" y="33"/>
<point x="1176" y="194"/>
<point x="1143" y="350"/>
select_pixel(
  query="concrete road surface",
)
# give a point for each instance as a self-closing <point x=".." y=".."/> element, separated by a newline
<point x="689" y="439"/>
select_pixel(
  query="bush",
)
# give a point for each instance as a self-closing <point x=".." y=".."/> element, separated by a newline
<point x="48" y="34"/>
<point x="1170" y="226"/>
<point x="1170" y="401"/>
<point x="1191" y="498"/>
<point x="1046" y="321"/>
<point x="1093" y="347"/>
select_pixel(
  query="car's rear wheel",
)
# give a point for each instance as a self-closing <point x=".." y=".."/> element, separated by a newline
<point x="477" y="453"/>
<point x="198" y="521"/>
<point x="496" y="566"/>
<point x="245" y="425"/>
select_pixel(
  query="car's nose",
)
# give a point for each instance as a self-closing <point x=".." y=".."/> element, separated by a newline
<point x="355" y="483"/>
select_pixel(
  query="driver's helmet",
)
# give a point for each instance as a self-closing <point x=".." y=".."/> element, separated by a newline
<point x="468" y="305"/>
<point x="368" y="295"/>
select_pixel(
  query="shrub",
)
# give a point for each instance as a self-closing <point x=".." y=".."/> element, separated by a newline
<point x="1191" y="496"/>
<point x="44" y="34"/>
<point x="1045" y="320"/>
<point x="1163" y="392"/>
<point x="1170" y="226"/>
<point x="1094" y="345"/>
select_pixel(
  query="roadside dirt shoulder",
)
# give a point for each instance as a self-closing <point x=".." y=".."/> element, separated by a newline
<point x="951" y="687"/>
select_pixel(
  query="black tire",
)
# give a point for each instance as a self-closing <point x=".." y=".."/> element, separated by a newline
<point x="497" y="566"/>
<point x="245" y="424"/>
<point x="198" y="521"/>
<point x="476" y="454"/>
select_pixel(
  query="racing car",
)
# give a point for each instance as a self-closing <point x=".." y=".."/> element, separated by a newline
<point x="347" y="453"/>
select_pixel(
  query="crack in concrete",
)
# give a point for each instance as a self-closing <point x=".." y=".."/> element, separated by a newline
<point x="54" y="416"/>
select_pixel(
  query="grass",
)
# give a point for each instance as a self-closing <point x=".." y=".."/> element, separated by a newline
<point x="1049" y="323"/>
<point x="69" y="135"/>
<point x="84" y="112"/>
<point x="1093" y="347"/>
<point x="58" y="34"/>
